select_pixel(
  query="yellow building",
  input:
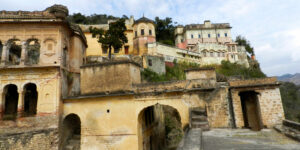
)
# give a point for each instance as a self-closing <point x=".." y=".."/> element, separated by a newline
<point x="53" y="99"/>
<point x="41" y="55"/>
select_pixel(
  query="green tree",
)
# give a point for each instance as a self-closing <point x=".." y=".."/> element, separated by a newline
<point x="164" y="29"/>
<point x="242" y="41"/>
<point x="78" y="18"/>
<point x="114" y="37"/>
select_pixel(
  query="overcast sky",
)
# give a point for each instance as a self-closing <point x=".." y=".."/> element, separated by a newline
<point x="272" y="26"/>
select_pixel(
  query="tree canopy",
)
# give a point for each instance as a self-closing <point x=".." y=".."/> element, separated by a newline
<point x="164" y="29"/>
<point x="114" y="37"/>
<point x="91" y="19"/>
<point x="242" y="41"/>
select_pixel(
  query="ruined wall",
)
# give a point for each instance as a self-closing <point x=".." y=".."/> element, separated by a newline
<point x="200" y="73"/>
<point x="30" y="131"/>
<point x="218" y="108"/>
<point x="109" y="77"/>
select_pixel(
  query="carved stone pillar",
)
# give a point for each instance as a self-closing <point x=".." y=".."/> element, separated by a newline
<point x="20" y="103"/>
<point x="4" y="55"/>
<point x="23" y="53"/>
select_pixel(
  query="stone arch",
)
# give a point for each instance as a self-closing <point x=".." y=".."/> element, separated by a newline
<point x="10" y="102"/>
<point x="71" y="132"/>
<point x="33" y="47"/>
<point x="154" y="127"/>
<point x="14" y="47"/>
<point x="30" y="99"/>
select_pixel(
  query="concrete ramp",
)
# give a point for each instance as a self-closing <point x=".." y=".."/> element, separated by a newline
<point x="192" y="140"/>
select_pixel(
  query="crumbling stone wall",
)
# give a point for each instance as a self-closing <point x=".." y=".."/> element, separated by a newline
<point x="37" y="139"/>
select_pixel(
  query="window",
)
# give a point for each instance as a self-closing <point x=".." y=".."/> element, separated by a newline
<point x="232" y="56"/>
<point x="104" y="49"/>
<point x="208" y="35"/>
<point x="116" y="50"/>
<point x="211" y="54"/>
<point x="204" y="54"/>
<point x="225" y="34"/>
<point x="218" y="34"/>
<point x="150" y="32"/>
<point x="199" y="36"/>
<point x="33" y="51"/>
<point x="149" y="62"/>
<point x="192" y="36"/>
<point x="233" y="48"/>
<point x="135" y="33"/>
<point x="229" y="48"/>
<point x="142" y="32"/>
<point x="223" y="54"/>
<point x="181" y="40"/>
<point x="219" y="55"/>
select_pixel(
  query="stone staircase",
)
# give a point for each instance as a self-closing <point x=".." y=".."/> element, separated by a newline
<point x="73" y="143"/>
<point x="199" y="119"/>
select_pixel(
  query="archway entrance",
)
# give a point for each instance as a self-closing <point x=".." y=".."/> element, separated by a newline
<point x="30" y="99"/>
<point x="71" y="132"/>
<point x="11" y="97"/>
<point x="251" y="110"/>
<point x="159" y="127"/>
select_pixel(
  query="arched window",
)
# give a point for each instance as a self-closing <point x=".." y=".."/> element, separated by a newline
<point x="30" y="99"/>
<point x="33" y="52"/>
<point x="15" y="49"/>
<point x="11" y="97"/>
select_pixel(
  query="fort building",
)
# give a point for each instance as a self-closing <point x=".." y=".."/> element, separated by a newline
<point x="53" y="98"/>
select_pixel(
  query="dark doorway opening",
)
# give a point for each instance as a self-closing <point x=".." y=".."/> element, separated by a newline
<point x="251" y="110"/>
<point x="71" y="132"/>
<point x="126" y="50"/>
<point x="30" y="99"/>
<point x="11" y="96"/>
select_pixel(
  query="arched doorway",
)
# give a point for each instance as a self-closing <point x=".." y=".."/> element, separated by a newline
<point x="159" y="127"/>
<point x="71" y="132"/>
<point x="11" y="97"/>
<point x="30" y="99"/>
<point x="251" y="110"/>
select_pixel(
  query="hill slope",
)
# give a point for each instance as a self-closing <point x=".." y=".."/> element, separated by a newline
<point x="290" y="78"/>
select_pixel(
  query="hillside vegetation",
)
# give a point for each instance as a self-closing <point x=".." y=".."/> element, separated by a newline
<point x="224" y="71"/>
<point x="290" y="94"/>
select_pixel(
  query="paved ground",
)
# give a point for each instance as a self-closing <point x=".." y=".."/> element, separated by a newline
<point x="244" y="139"/>
<point x="192" y="140"/>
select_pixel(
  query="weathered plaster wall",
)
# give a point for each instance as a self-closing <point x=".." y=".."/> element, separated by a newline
<point x="117" y="128"/>
<point x="109" y="78"/>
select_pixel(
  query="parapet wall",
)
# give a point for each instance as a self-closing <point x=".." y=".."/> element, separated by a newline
<point x="109" y="77"/>
<point x="253" y="82"/>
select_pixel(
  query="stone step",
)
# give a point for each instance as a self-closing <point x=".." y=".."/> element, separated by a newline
<point x="199" y="118"/>
<point x="203" y="125"/>
<point x="74" y="141"/>
<point x="69" y="147"/>
<point x="198" y="112"/>
<point x="76" y="136"/>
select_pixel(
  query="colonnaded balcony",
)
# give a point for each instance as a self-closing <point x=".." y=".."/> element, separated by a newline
<point x="17" y="52"/>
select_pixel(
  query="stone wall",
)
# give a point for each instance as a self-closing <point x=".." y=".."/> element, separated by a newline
<point x="32" y="140"/>
<point x="112" y="76"/>
<point x="270" y="106"/>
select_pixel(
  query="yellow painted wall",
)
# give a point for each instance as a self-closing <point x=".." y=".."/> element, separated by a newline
<point x="95" y="48"/>
<point x="118" y="128"/>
